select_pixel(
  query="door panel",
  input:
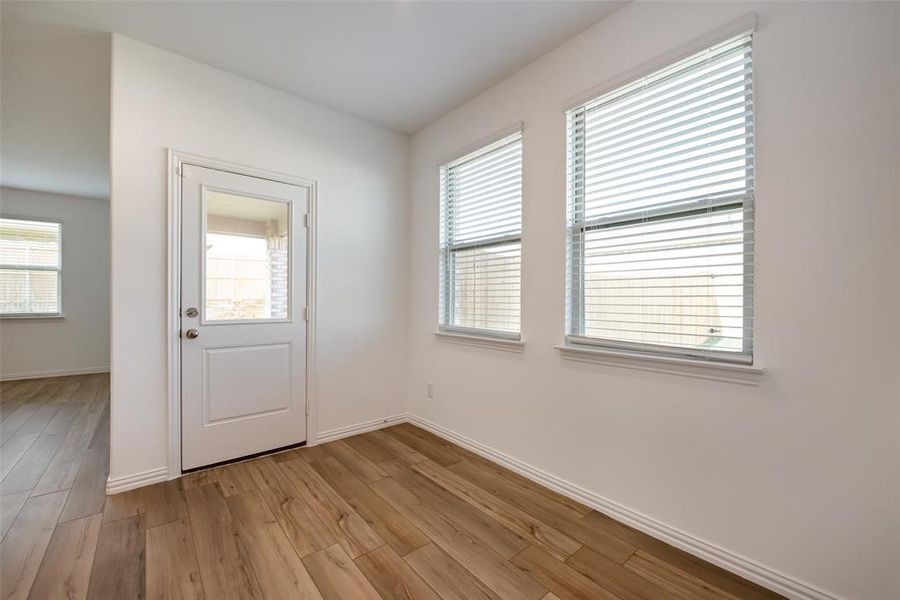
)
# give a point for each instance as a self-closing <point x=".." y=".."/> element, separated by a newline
<point x="245" y="382"/>
<point x="243" y="345"/>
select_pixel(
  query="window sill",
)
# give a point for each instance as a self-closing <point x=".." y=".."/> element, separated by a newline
<point x="483" y="341"/>
<point x="29" y="317"/>
<point x="702" y="369"/>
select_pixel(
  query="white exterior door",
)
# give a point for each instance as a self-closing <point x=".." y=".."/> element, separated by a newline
<point x="243" y="315"/>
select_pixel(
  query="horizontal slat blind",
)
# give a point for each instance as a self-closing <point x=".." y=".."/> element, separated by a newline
<point x="660" y="219"/>
<point x="30" y="267"/>
<point x="481" y="237"/>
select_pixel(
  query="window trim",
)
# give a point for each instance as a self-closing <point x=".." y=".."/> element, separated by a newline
<point x="59" y="314"/>
<point x="471" y="337"/>
<point x="658" y="363"/>
<point x="504" y="340"/>
<point x="576" y="345"/>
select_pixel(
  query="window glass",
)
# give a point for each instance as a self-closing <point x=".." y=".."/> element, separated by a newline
<point x="30" y="267"/>
<point x="247" y="252"/>
<point x="481" y="238"/>
<point x="660" y="217"/>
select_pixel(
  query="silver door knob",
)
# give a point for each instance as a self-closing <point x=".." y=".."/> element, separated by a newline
<point x="191" y="334"/>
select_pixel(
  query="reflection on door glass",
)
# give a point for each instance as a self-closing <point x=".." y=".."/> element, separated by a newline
<point x="246" y="258"/>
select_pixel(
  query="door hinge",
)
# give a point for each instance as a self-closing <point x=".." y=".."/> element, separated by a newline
<point x="306" y="314"/>
<point x="306" y="220"/>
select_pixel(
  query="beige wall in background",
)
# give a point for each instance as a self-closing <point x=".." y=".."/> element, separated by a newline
<point x="79" y="341"/>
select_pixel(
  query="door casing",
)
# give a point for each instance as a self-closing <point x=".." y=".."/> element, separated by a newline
<point x="176" y="160"/>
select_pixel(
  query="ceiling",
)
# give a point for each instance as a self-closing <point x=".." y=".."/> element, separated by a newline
<point x="400" y="64"/>
<point x="54" y="108"/>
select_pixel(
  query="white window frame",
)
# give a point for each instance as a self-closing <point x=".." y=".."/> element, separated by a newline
<point x="580" y="347"/>
<point x="58" y="314"/>
<point x="503" y="340"/>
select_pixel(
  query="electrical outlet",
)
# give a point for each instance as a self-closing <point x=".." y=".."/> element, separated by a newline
<point x="429" y="389"/>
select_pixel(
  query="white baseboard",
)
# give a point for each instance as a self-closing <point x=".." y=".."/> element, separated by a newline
<point x="740" y="565"/>
<point x="130" y="482"/>
<point x="53" y="373"/>
<point x="342" y="432"/>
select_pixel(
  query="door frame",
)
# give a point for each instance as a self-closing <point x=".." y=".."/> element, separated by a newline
<point x="176" y="159"/>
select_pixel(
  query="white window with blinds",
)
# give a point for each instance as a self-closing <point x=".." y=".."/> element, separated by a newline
<point x="30" y="268"/>
<point x="660" y="211"/>
<point x="481" y="241"/>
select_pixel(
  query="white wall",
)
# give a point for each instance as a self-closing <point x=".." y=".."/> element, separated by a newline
<point x="800" y="473"/>
<point x="161" y="100"/>
<point x="80" y="340"/>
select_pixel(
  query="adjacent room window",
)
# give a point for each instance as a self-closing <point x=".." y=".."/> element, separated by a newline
<point x="30" y="267"/>
<point x="660" y="210"/>
<point x="481" y="240"/>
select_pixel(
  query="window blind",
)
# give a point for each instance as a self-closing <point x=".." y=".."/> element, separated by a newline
<point x="30" y="267"/>
<point x="481" y="240"/>
<point x="660" y="210"/>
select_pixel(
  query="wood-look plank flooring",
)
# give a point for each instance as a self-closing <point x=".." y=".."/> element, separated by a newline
<point x="397" y="514"/>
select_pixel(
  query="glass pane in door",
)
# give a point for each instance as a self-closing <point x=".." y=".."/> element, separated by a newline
<point x="247" y="258"/>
